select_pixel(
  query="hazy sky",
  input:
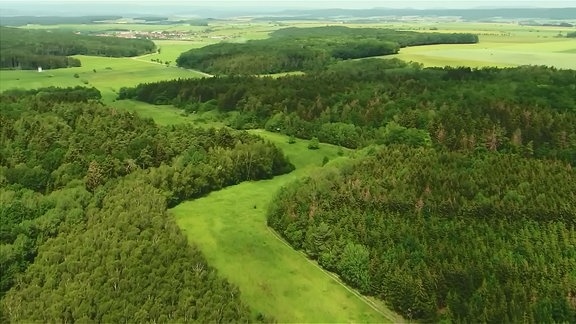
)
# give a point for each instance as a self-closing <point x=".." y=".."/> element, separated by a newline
<point x="329" y="3"/>
<point x="218" y="8"/>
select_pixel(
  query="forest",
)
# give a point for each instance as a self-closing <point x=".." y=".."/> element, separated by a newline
<point x="28" y="49"/>
<point x="528" y="110"/>
<point x="462" y="204"/>
<point x="308" y="49"/>
<point x="443" y="236"/>
<point x="85" y="233"/>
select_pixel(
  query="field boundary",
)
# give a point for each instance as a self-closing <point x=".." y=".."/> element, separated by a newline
<point x="140" y="59"/>
<point x="335" y="277"/>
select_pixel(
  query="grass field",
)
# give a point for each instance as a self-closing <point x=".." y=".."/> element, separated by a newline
<point x="230" y="228"/>
<point x="560" y="54"/>
<point x="106" y="74"/>
<point x="501" y="45"/>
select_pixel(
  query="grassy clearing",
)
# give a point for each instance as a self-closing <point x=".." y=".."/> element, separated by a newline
<point x="230" y="228"/>
<point x="170" y="50"/>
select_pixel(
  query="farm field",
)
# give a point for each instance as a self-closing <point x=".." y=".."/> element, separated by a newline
<point x="501" y="45"/>
<point x="230" y="228"/>
<point x="560" y="54"/>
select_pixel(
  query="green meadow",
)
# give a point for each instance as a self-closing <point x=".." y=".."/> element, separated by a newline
<point x="106" y="74"/>
<point x="501" y="45"/>
<point x="229" y="226"/>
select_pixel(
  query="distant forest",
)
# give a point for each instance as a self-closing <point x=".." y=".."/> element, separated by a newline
<point x="308" y="49"/>
<point x="28" y="49"/>
<point x="527" y="110"/>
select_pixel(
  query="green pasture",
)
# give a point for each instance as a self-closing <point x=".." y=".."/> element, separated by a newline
<point x="501" y="45"/>
<point x="558" y="53"/>
<point x="229" y="226"/>
<point x="106" y="74"/>
<point x="170" y="50"/>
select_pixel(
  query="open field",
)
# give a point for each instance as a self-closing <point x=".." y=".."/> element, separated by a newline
<point x="560" y="54"/>
<point x="106" y="74"/>
<point x="501" y="45"/>
<point x="230" y="228"/>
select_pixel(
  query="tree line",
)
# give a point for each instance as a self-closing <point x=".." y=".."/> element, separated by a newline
<point x="29" y="49"/>
<point x="85" y="232"/>
<point x="530" y="110"/>
<point x="308" y="49"/>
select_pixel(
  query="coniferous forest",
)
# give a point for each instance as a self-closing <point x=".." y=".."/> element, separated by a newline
<point x="484" y="237"/>
<point x="463" y="207"/>
<point x="528" y="110"/>
<point x="84" y="222"/>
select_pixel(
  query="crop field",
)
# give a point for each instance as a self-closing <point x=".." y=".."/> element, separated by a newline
<point x="229" y="226"/>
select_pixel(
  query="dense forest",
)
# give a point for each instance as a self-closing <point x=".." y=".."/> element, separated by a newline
<point x="308" y="49"/>
<point x="527" y="110"/>
<point x="29" y="49"/>
<point x="85" y="234"/>
<point x="482" y="237"/>
<point x="464" y="207"/>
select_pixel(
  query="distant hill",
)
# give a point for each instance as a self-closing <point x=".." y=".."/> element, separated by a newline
<point x="467" y="14"/>
<point x="235" y="9"/>
<point x="53" y="20"/>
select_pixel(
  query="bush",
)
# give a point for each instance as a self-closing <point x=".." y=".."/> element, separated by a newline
<point x="314" y="144"/>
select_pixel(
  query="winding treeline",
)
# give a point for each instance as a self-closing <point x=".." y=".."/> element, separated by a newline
<point x="84" y="229"/>
<point x="439" y="235"/>
<point x="527" y="110"/>
<point x="29" y="49"/>
<point x="308" y="49"/>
